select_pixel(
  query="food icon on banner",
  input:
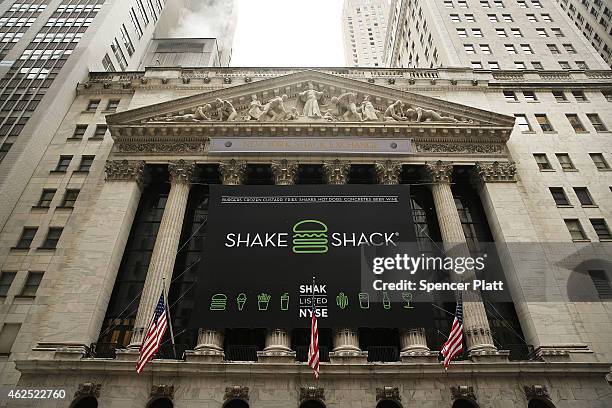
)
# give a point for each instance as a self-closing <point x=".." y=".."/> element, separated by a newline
<point x="364" y="300"/>
<point x="386" y="301"/>
<point x="342" y="300"/>
<point x="407" y="297"/>
<point x="218" y="302"/>
<point x="284" y="300"/>
<point x="241" y="300"/>
<point x="263" y="301"/>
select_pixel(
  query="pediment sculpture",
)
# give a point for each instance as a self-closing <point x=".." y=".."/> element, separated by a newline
<point x="312" y="105"/>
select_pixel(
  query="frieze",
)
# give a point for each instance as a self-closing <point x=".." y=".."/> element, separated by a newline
<point x="161" y="148"/>
<point x="124" y="170"/>
<point x="388" y="172"/>
<point x="468" y="148"/>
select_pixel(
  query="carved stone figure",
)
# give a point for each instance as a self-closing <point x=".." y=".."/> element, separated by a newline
<point x="308" y="102"/>
<point x="329" y="116"/>
<point x="424" y="115"/>
<point x="201" y="113"/>
<point x="368" y="110"/>
<point x="225" y="110"/>
<point x="346" y="105"/>
<point x="255" y="108"/>
<point x="395" y="112"/>
<point x="274" y="110"/>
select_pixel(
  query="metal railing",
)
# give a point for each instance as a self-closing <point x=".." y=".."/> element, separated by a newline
<point x="239" y="352"/>
<point x="384" y="354"/>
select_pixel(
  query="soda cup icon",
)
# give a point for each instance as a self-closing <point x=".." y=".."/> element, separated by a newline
<point x="364" y="300"/>
<point x="285" y="301"/>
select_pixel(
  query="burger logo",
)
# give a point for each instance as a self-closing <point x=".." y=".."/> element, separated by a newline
<point x="310" y="237"/>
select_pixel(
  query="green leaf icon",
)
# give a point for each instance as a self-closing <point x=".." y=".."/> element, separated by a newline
<point x="342" y="300"/>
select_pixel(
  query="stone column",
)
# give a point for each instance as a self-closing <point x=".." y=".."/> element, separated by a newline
<point x="528" y="265"/>
<point x="476" y="328"/>
<point x="413" y="342"/>
<point x="278" y="341"/>
<point x="345" y="340"/>
<point x="210" y="341"/>
<point x="85" y="282"/>
<point x="163" y="258"/>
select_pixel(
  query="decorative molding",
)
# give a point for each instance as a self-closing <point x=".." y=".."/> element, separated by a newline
<point x="312" y="393"/>
<point x="124" y="170"/>
<point x="536" y="391"/>
<point x="388" y="172"/>
<point x="470" y="148"/>
<point x="162" y="391"/>
<point x="232" y="172"/>
<point x="336" y="172"/>
<point x="88" y="390"/>
<point x="181" y="171"/>
<point x="438" y="172"/>
<point x="495" y="172"/>
<point x="388" y="393"/>
<point x="236" y="392"/>
<point x="162" y="148"/>
<point x="463" y="392"/>
<point x="284" y="172"/>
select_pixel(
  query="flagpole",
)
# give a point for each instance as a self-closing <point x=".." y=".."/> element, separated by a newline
<point x="313" y="311"/>
<point x="169" y="319"/>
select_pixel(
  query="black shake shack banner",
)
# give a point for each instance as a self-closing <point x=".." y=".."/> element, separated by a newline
<point x="265" y="244"/>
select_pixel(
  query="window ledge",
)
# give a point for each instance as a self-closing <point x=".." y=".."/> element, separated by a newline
<point x="57" y="171"/>
<point x="581" y="132"/>
<point x="528" y="132"/>
<point x="550" y="132"/>
<point x="565" y="206"/>
<point x="73" y="139"/>
<point x="80" y="172"/>
<point x="606" y="240"/>
<point x="547" y="170"/>
<point x="64" y="207"/>
<point x="40" y="207"/>
<point x="109" y="111"/>
<point x="88" y="111"/>
<point x="581" y="240"/>
<point x="96" y="138"/>
<point x="43" y="248"/>
<point x="24" y="297"/>
<point x="570" y="170"/>
<point x="590" y="206"/>
<point x="603" y="131"/>
<point x="20" y="249"/>
<point x="604" y="169"/>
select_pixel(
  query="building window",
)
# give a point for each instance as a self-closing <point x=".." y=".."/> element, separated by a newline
<point x="579" y="96"/>
<point x="53" y="236"/>
<point x="476" y="65"/>
<point x="32" y="283"/>
<point x="63" y="163"/>
<point x="8" y="334"/>
<point x="596" y="122"/>
<point x="559" y="96"/>
<point x="477" y="32"/>
<point x="6" y="280"/>
<point x="519" y="65"/>
<point x="582" y="65"/>
<point x="462" y="32"/>
<point x="493" y="18"/>
<point x="601" y="229"/>
<point x="119" y="54"/>
<point x="499" y="4"/>
<point x="516" y="32"/>
<point x="507" y="18"/>
<point x="584" y="196"/>
<point x="135" y="22"/>
<point x="485" y="49"/>
<point x="542" y="32"/>
<point x="557" y="32"/>
<point x="510" y="96"/>
<point x="575" y="229"/>
<point x="86" y="162"/>
<point x="558" y="194"/>
<point x="99" y="132"/>
<point x="27" y="236"/>
<point x="127" y="41"/>
<point x="544" y="123"/>
<point x="108" y="64"/>
<point x="46" y="197"/>
<point x="542" y="161"/>
<point x="493" y="65"/>
<point x="448" y="4"/>
<point x="536" y="65"/>
<point x="553" y="48"/>
<point x="565" y="161"/>
<point x="599" y="161"/>
<point x="455" y="18"/>
<point x="470" y="18"/>
<point x="530" y="96"/>
<point x="93" y="104"/>
<point x="607" y="95"/>
<point x="112" y="105"/>
<point x="565" y="65"/>
<point x="469" y="48"/>
<point x="70" y="198"/>
<point x="79" y="132"/>
<point x="501" y="32"/>
<point x="574" y="120"/>
<point x="523" y="123"/>
<point x="526" y="48"/>
<point x="510" y="48"/>
<point x="532" y="18"/>
<point x="569" y="48"/>
<point x="522" y="3"/>
<point x="601" y="283"/>
<point x="4" y="149"/>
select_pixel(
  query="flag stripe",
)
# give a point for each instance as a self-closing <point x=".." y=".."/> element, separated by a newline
<point x="155" y="333"/>
<point x="454" y="345"/>
<point x="313" y="349"/>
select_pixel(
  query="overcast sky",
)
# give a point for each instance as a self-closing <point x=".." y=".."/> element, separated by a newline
<point x="288" y="33"/>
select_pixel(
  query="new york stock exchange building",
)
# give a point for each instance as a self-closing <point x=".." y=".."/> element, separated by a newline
<point x="233" y="188"/>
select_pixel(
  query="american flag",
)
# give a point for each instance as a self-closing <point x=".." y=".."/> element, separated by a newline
<point x="152" y="340"/>
<point x="313" y="350"/>
<point x="454" y="345"/>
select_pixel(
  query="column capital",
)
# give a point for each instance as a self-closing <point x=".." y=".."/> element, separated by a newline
<point x="232" y="172"/>
<point x="388" y="172"/>
<point x="125" y="170"/>
<point x="494" y="172"/>
<point x="336" y="172"/>
<point x="284" y="172"/>
<point x="181" y="171"/>
<point x="438" y="171"/>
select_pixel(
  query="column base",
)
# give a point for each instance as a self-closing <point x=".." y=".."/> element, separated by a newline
<point x="128" y="354"/>
<point x="488" y="355"/>
<point x="59" y="351"/>
<point x="348" y="357"/>
<point x="578" y="352"/>
<point x="276" y="355"/>
<point x="205" y="355"/>
<point x="419" y="356"/>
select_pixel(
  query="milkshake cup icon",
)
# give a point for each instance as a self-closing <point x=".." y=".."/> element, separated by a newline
<point x="285" y="301"/>
<point x="241" y="300"/>
<point x="364" y="300"/>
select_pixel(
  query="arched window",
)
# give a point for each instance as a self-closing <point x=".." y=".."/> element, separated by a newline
<point x="162" y="402"/>
<point x="236" y="403"/>
<point x="387" y="403"/>
<point x="538" y="403"/>
<point x="85" y="402"/>
<point x="312" y="404"/>
<point x="463" y="403"/>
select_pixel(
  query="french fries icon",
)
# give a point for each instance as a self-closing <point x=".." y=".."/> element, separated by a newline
<point x="263" y="301"/>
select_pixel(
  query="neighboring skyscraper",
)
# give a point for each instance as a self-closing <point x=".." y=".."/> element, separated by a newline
<point x="487" y="34"/>
<point x="594" y="19"/>
<point x="182" y="52"/>
<point x="364" y="25"/>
